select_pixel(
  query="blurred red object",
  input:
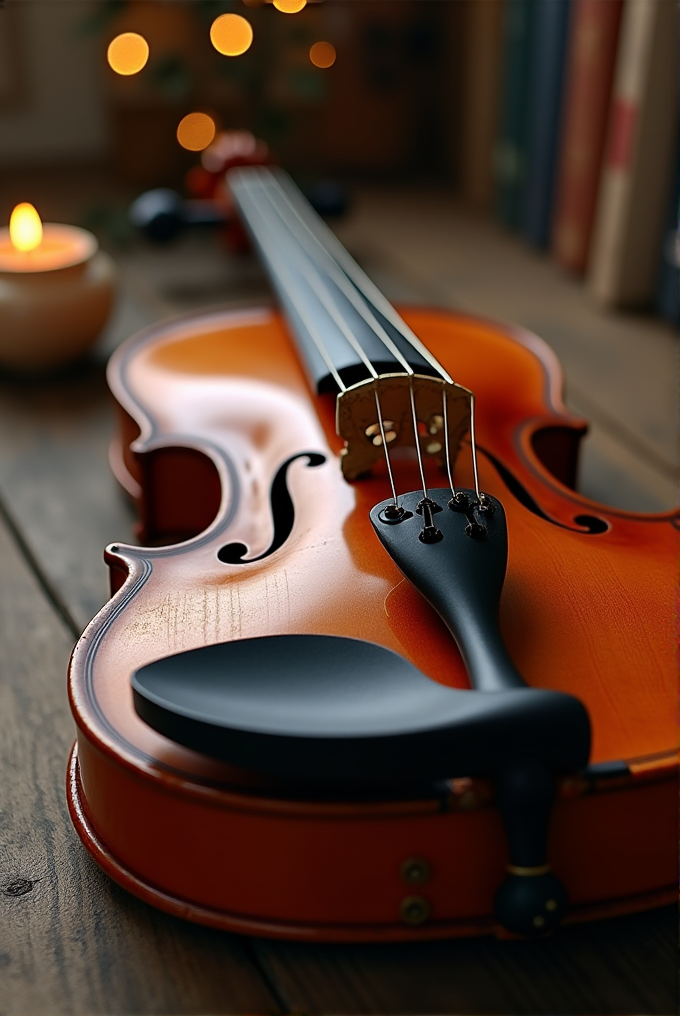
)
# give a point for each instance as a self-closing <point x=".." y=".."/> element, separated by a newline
<point x="207" y="181"/>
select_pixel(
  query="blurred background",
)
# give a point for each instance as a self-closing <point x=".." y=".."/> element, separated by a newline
<point x="512" y="158"/>
<point x="388" y="106"/>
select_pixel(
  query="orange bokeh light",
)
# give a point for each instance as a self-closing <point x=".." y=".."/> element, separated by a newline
<point x="195" y="131"/>
<point x="322" y="54"/>
<point x="128" y="53"/>
<point x="231" y="34"/>
<point x="25" y="227"/>
<point x="289" y="6"/>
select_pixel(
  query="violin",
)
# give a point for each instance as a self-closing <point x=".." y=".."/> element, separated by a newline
<point x="377" y="671"/>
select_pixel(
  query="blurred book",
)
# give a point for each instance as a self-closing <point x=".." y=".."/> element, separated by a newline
<point x="483" y="37"/>
<point x="668" y="287"/>
<point x="589" y="75"/>
<point x="546" y="80"/>
<point x="511" y="147"/>
<point x="636" y="176"/>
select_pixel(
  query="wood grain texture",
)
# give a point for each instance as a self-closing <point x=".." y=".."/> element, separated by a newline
<point x="619" y="967"/>
<point x="54" y="477"/>
<point x="72" y="942"/>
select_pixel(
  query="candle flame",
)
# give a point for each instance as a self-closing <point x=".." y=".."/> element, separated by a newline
<point x="25" y="227"/>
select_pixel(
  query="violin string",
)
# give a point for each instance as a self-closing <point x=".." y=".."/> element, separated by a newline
<point x="277" y="257"/>
<point x="333" y="269"/>
<point x="473" y="446"/>
<point x="414" y="418"/>
<point x="324" y="297"/>
<point x="446" y="443"/>
<point x="327" y="301"/>
<point x="387" y="454"/>
<point x="328" y="241"/>
<point x="316" y="283"/>
<point x="340" y="279"/>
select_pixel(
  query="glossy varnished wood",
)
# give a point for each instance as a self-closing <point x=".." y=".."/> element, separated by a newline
<point x="585" y="612"/>
<point x="54" y="480"/>
<point x="237" y="383"/>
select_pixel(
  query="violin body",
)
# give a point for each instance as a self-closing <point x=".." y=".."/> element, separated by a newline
<point x="223" y="443"/>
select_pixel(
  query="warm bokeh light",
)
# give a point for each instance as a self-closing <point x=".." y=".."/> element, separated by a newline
<point x="322" y="54"/>
<point x="128" y="53"/>
<point x="231" y="34"/>
<point x="25" y="227"/>
<point x="195" y="131"/>
<point x="290" y="6"/>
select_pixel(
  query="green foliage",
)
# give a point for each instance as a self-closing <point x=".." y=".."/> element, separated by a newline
<point x="171" y="76"/>
<point x="104" y="14"/>
<point x="110" y="221"/>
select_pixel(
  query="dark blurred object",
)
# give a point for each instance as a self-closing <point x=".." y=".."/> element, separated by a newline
<point x="328" y="198"/>
<point x="511" y="146"/>
<point x="668" y="283"/>
<point x="163" y="213"/>
<point x="546" y="87"/>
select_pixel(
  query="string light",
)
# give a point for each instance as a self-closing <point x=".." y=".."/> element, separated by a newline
<point x="289" y="6"/>
<point x="195" y="131"/>
<point x="322" y="54"/>
<point x="128" y="53"/>
<point x="231" y="34"/>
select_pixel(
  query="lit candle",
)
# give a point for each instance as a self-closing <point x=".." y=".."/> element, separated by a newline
<point x="56" y="291"/>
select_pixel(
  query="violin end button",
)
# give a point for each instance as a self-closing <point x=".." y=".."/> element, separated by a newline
<point x="531" y="904"/>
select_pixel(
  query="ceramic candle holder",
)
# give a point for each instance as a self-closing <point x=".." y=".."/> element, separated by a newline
<point x="54" y="300"/>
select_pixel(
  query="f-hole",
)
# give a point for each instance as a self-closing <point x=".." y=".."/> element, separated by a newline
<point x="283" y="513"/>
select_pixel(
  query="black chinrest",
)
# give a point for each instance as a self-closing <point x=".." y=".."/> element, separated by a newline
<point x="319" y="707"/>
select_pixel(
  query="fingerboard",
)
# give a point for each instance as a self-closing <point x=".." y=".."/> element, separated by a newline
<point x="338" y="318"/>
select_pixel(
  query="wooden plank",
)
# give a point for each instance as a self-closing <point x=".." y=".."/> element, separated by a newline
<point x="72" y="941"/>
<point x="55" y="480"/>
<point x="624" y="966"/>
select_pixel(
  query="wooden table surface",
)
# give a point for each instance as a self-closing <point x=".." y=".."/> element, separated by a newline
<point x="71" y="941"/>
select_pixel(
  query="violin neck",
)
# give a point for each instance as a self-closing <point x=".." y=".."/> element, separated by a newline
<point x="346" y="331"/>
